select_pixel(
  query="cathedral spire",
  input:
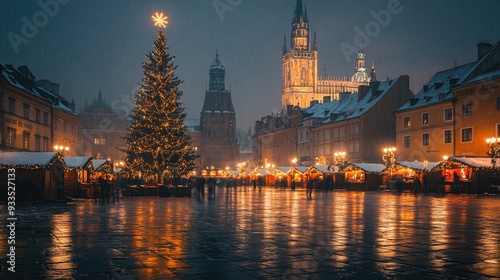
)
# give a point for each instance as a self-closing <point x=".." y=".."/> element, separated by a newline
<point x="99" y="96"/>
<point x="217" y="74"/>
<point x="298" y="11"/>
<point x="285" y="50"/>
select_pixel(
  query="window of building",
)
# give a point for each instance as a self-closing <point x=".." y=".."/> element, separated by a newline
<point x="37" y="143"/>
<point x="65" y="126"/>
<point x="447" y="136"/>
<point x="425" y="139"/>
<point x="327" y="135"/>
<point x="12" y="105"/>
<point x="406" y="141"/>
<point x="351" y="129"/>
<point x="26" y="140"/>
<point x="407" y="122"/>
<point x="498" y="103"/>
<point x="425" y="118"/>
<point x="26" y="111"/>
<point x="73" y="128"/>
<point x="303" y="77"/>
<point x="341" y="132"/>
<point x="45" y="144"/>
<point x="448" y="114"/>
<point x="467" y="134"/>
<point x="351" y="148"/>
<point x="335" y="133"/>
<point x="466" y="110"/>
<point x="37" y="115"/>
<point x="11" y="142"/>
<point x="498" y="130"/>
<point x="356" y="129"/>
<point x="45" y="118"/>
<point x="356" y="147"/>
<point x="308" y="135"/>
<point x="99" y="141"/>
<point x="56" y="124"/>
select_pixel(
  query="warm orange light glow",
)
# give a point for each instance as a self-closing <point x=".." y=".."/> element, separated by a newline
<point x="160" y="20"/>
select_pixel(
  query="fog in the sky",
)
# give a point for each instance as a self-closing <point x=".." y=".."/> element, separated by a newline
<point x="90" y="45"/>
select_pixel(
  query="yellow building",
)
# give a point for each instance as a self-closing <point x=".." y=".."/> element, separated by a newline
<point x="454" y="112"/>
<point x="30" y="113"/>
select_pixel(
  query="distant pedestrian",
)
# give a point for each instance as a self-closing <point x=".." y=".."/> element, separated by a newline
<point x="310" y="185"/>
<point x="456" y="183"/>
<point x="416" y="185"/>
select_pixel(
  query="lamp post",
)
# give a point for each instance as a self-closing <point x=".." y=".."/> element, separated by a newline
<point x="339" y="159"/>
<point x="388" y="157"/>
<point x="494" y="150"/>
<point x="61" y="149"/>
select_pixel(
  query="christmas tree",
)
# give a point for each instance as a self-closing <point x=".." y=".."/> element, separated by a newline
<point x="158" y="144"/>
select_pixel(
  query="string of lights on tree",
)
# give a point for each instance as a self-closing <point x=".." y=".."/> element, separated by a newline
<point x="157" y="141"/>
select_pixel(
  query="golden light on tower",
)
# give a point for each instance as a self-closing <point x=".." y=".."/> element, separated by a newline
<point x="160" y="20"/>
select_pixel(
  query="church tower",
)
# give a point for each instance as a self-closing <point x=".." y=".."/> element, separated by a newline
<point x="219" y="146"/>
<point x="300" y="63"/>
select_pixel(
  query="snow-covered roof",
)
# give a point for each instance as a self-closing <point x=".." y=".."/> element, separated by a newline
<point x="474" y="162"/>
<point x="438" y="88"/>
<point x="284" y="169"/>
<point x="77" y="162"/>
<point x="417" y="165"/>
<point x="320" y="168"/>
<point x="350" y="107"/>
<point x="367" y="167"/>
<point x="10" y="74"/>
<point x="27" y="159"/>
<point x="301" y="168"/>
<point x="98" y="163"/>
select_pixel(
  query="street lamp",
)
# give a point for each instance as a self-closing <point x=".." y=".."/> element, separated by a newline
<point x="494" y="151"/>
<point x="339" y="158"/>
<point x="388" y="157"/>
<point x="61" y="149"/>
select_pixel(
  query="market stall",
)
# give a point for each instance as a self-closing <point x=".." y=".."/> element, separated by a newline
<point x="77" y="182"/>
<point x="471" y="175"/>
<point x="362" y="176"/>
<point x="415" y="175"/>
<point x="38" y="176"/>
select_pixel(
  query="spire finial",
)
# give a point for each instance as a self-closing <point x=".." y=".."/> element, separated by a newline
<point x="99" y="95"/>
<point x="373" y="75"/>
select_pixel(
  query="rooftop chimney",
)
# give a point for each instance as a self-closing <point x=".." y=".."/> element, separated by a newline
<point x="482" y="49"/>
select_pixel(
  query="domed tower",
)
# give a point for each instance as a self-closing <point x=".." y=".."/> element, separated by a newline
<point x="219" y="146"/>
<point x="360" y="75"/>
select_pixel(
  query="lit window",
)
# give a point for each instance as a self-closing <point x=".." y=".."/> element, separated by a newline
<point x="12" y="137"/>
<point x="26" y="140"/>
<point x="425" y="118"/>
<point x="407" y="122"/>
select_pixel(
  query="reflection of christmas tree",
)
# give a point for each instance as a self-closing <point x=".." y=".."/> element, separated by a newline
<point x="157" y="141"/>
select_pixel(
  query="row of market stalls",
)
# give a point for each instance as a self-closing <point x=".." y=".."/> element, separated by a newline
<point x="455" y="174"/>
<point x="48" y="176"/>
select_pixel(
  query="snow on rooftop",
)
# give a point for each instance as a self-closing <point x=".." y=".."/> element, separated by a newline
<point x="417" y="165"/>
<point x="284" y="169"/>
<point x="27" y="158"/>
<point x="475" y="162"/>
<point x="97" y="163"/>
<point x="76" y="162"/>
<point x="370" y="167"/>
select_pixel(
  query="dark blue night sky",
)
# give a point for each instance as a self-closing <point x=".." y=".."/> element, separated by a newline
<point x="90" y="45"/>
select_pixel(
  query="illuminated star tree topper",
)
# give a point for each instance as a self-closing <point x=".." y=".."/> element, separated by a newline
<point x="160" y="20"/>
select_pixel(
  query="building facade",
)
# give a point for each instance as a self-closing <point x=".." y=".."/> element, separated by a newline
<point x="454" y="112"/>
<point x="101" y="131"/>
<point x="31" y="111"/>
<point x="219" y="146"/>
<point x="301" y="82"/>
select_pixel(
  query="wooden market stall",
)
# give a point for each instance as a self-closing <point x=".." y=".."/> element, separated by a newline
<point x="362" y="176"/>
<point x="321" y="175"/>
<point x="409" y="172"/>
<point x="77" y="177"/>
<point x="475" y="174"/>
<point x="38" y="176"/>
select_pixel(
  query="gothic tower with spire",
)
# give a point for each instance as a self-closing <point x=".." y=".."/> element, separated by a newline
<point x="219" y="146"/>
<point x="301" y="83"/>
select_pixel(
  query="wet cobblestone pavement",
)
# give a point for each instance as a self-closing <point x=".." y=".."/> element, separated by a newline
<point x="260" y="234"/>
